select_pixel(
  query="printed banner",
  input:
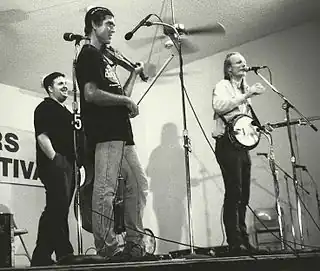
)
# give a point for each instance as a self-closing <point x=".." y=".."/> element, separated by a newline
<point x="18" y="157"/>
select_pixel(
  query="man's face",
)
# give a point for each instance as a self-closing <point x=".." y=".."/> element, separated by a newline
<point x="238" y="63"/>
<point x="105" y="31"/>
<point x="59" y="89"/>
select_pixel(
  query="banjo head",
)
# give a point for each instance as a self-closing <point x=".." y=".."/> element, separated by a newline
<point x="243" y="133"/>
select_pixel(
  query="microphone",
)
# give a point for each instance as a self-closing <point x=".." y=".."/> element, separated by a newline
<point x="300" y="166"/>
<point x="129" y="35"/>
<point x="262" y="154"/>
<point x="72" y="37"/>
<point x="254" y="68"/>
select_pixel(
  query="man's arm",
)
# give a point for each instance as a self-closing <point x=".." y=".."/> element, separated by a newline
<point x="223" y="102"/>
<point x="42" y="120"/>
<point x="46" y="145"/>
<point x="102" y="98"/>
<point x="128" y="86"/>
<point x="95" y="95"/>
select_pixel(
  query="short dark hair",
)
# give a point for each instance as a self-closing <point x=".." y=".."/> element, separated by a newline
<point x="48" y="80"/>
<point x="96" y="15"/>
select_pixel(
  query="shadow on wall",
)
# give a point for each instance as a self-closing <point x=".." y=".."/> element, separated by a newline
<point x="166" y="170"/>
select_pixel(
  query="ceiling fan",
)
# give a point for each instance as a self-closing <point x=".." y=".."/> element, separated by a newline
<point x="170" y="38"/>
<point x="175" y="33"/>
<point x="171" y="27"/>
<point x="186" y="45"/>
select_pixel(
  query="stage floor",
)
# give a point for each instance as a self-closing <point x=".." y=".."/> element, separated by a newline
<point x="282" y="261"/>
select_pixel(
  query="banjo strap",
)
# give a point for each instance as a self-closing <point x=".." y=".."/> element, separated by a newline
<point x="253" y="114"/>
<point x="223" y="119"/>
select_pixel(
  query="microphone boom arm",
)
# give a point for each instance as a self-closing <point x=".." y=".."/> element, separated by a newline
<point x="167" y="25"/>
<point x="287" y="101"/>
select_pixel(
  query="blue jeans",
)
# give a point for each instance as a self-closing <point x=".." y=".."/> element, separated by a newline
<point x="108" y="157"/>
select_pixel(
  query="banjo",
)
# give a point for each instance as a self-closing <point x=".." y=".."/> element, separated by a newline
<point x="242" y="133"/>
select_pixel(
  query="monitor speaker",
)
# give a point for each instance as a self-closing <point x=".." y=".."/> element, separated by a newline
<point x="6" y="240"/>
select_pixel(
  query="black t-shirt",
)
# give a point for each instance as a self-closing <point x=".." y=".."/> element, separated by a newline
<point x="101" y="123"/>
<point x="54" y="120"/>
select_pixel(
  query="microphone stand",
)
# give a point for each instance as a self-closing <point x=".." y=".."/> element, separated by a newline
<point x="286" y="106"/>
<point x="77" y="126"/>
<point x="272" y="164"/>
<point x="286" y="176"/>
<point x="176" y="39"/>
<point x="304" y="168"/>
<point x="187" y="149"/>
<point x="291" y="213"/>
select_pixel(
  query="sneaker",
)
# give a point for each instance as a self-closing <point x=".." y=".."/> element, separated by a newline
<point x="133" y="251"/>
<point x="254" y="250"/>
<point x="238" y="250"/>
<point x="42" y="262"/>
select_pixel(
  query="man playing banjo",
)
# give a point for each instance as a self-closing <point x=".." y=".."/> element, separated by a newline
<point x="231" y="101"/>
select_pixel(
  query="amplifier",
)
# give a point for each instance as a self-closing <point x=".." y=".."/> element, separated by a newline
<point x="6" y="240"/>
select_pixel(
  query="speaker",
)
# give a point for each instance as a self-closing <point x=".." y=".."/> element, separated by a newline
<point x="6" y="240"/>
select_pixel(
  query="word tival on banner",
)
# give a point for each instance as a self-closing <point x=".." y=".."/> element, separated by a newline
<point x="18" y="157"/>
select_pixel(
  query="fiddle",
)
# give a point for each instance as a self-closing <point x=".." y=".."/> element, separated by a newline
<point x="115" y="56"/>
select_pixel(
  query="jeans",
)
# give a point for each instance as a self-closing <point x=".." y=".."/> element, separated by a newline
<point x="235" y="165"/>
<point x="108" y="157"/>
<point x="53" y="229"/>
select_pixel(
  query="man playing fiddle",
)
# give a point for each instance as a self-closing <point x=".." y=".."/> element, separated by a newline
<point x="106" y="109"/>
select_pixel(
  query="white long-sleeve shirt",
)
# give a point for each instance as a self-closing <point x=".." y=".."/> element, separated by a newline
<point x="228" y="101"/>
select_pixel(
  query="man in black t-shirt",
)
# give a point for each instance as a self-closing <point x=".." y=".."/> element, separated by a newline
<point x="55" y="158"/>
<point x="106" y="108"/>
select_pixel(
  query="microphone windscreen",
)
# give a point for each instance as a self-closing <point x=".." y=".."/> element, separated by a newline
<point x="128" y="36"/>
<point x="67" y="36"/>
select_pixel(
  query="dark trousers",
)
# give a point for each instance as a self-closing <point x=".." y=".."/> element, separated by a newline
<point x="235" y="165"/>
<point x="53" y="229"/>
